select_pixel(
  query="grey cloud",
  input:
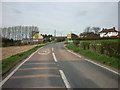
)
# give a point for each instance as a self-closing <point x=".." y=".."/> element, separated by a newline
<point x="17" y="11"/>
<point x="82" y="13"/>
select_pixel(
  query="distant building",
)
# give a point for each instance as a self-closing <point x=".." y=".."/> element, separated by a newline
<point x="89" y="35"/>
<point x="59" y="38"/>
<point x="109" y="32"/>
<point x="72" y="36"/>
<point x="37" y="38"/>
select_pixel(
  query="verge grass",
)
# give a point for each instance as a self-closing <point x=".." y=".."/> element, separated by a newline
<point x="10" y="62"/>
<point x="111" y="61"/>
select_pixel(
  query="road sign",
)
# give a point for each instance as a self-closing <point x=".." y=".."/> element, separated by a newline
<point x="36" y="36"/>
<point x="69" y="36"/>
<point x="35" y="40"/>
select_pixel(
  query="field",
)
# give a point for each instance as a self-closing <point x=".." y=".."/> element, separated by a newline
<point x="9" y="51"/>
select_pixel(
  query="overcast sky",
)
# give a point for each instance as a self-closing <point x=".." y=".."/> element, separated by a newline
<point x="65" y="17"/>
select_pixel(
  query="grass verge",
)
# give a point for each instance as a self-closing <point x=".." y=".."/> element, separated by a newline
<point x="10" y="62"/>
<point x="111" y="61"/>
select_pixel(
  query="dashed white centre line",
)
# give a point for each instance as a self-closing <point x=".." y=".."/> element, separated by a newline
<point x="62" y="74"/>
<point x="67" y="84"/>
<point x="54" y="57"/>
<point x="52" y="49"/>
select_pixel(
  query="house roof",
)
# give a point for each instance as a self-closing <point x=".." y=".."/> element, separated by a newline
<point x="109" y="30"/>
<point x="87" y="33"/>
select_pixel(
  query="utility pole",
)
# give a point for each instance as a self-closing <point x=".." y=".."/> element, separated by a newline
<point x="55" y="33"/>
<point x="61" y="34"/>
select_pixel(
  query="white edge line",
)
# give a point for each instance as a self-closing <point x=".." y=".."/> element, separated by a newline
<point x="3" y="81"/>
<point x="54" y="57"/>
<point x="102" y="66"/>
<point x="67" y="84"/>
<point x="95" y="63"/>
<point x="74" y="53"/>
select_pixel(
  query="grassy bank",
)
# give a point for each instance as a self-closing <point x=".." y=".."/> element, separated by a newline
<point x="10" y="62"/>
<point x="111" y="61"/>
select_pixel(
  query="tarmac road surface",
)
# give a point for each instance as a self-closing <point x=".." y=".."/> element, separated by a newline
<point x="53" y="66"/>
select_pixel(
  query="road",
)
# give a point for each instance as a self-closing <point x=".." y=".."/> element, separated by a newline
<point x="53" y="66"/>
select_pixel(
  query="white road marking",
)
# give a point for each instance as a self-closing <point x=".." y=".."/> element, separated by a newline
<point x="64" y="45"/>
<point x="3" y="81"/>
<point x="62" y="74"/>
<point x="52" y="49"/>
<point x="74" y="53"/>
<point x="67" y="84"/>
<point x="102" y="66"/>
<point x="95" y="63"/>
<point x="44" y="53"/>
<point x="54" y="57"/>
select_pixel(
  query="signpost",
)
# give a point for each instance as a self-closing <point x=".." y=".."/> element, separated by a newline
<point x="35" y="36"/>
<point x="69" y="36"/>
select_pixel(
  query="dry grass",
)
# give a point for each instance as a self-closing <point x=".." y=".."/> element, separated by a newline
<point x="9" y="51"/>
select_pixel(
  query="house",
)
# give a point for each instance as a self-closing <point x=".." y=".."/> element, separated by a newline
<point x="109" y="32"/>
<point x="88" y="34"/>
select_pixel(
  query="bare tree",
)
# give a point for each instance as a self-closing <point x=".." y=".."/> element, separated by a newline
<point x="87" y="29"/>
<point x="18" y="32"/>
<point x="96" y="30"/>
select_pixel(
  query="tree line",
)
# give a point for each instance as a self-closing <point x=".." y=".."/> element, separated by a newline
<point x="18" y="32"/>
<point x="92" y="29"/>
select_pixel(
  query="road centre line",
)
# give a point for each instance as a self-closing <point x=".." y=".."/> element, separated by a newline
<point x="62" y="74"/>
<point x="55" y="59"/>
<point x="52" y="49"/>
<point x="95" y="63"/>
<point x="67" y="84"/>
<point x="3" y="81"/>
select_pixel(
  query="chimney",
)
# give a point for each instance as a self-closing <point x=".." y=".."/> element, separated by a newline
<point x="113" y="28"/>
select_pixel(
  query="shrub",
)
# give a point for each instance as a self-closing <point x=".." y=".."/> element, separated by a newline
<point x="110" y="48"/>
<point x="85" y="45"/>
<point x="60" y="39"/>
<point x="76" y="42"/>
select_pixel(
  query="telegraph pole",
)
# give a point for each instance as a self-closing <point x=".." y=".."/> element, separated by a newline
<point x="55" y="33"/>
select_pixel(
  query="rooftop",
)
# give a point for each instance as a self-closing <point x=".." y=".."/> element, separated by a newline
<point x="109" y="30"/>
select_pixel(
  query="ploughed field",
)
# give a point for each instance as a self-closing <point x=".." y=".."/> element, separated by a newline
<point x="9" y="51"/>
